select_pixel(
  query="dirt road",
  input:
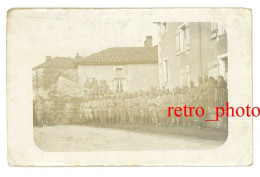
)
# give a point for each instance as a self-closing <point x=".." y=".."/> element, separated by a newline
<point x="86" y="138"/>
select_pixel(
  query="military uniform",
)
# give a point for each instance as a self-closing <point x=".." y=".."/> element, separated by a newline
<point x="100" y="108"/>
<point x="111" y="110"/>
<point x="82" y="111"/>
<point x="117" y="109"/>
<point x="153" y="110"/>
<point x="95" y="110"/>
<point x="167" y="98"/>
<point x="200" y="102"/>
<point x="142" y="105"/>
<point x="49" y="107"/>
<point x="175" y="103"/>
<point x="147" y="116"/>
<point x="39" y="108"/>
<point x="105" y="110"/>
<point x="192" y="101"/>
<point x="161" y="108"/>
<point x="129" y="107"/>
<point x="88" y="112"/>
<point x="135" y="108"/>
<point x="183" y="101"/>
<point x="69" y="111"/>
<point x="122" y="109"/>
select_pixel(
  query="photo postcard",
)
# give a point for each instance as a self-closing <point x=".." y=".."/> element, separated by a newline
<point x="129" y="87"/>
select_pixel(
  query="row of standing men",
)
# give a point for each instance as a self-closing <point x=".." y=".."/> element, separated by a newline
<point x="144" y="107"/>
<point x="151" y="107"/>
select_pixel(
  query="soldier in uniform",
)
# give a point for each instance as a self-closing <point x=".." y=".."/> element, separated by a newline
<point x="206" y="97"/>
<point x="69" y="110"/>
<point x="129" y="107"/>
<point x="111" y="109"/>
<point x="183" y="101"/>
<point x="153" y="108"/>
<point x="221" y="98"/>
<point x="175" y="103"/>
<point x="167" y="98"/>
<point x="117" y="108"/>
<point x="89" y="110"/>
<point x="211" y="93"/>
<point x="147" y="117"/>
<point x="200" y="102"/>
<point x="49" y="107"/>
<point x="82" y="110"/>
<point x="94" y="109"/>
<point x="122" y="109"/>
<point x="142" y="105"/>
<point x="161" y="108"/>
<point x="192" y="99"/>
<point x="206" y="90"/>
<point x="39" y="108"/>
<point x="100" y="108"/>
<point x="105" y="109"/>
<point x="135" y="108"/>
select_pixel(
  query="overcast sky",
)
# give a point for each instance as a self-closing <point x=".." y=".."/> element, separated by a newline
<point x="64" y="33"/>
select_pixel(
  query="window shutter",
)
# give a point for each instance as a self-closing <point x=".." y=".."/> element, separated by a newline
<point x="177" y="33"/>
<point x="187" y="39"/>
<point x="220" y="31"/>
<point x="214" y="27"/>
<point x="214" y="30"/>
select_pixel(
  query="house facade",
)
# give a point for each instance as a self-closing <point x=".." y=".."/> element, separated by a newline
<point x="46" y="74"/>
<point x="189" y="50"/>
<point x="126" y="69"/>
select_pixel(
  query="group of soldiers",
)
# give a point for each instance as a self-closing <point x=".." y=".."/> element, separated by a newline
<point x="45" y="112"/>
<point x="146" y="107"/>
<point x="151" y="107"/>
<point x="95" y="87"/>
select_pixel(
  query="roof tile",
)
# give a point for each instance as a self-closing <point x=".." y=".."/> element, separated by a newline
<point x="122" y="55"/>
<point x="58" y="62"/>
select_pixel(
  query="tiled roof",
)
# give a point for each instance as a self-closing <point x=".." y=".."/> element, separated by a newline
<point x="58" y="62"/>
<point x="122" y="55"/>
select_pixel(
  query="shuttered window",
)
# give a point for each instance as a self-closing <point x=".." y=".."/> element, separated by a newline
<point x="214" y="30"/>
<point x="182" y="38"/>
<point x="178" y="48"/>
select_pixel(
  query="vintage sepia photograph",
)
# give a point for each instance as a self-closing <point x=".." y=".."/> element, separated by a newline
<point x="114" y="94"/>
<point x="128" y="87"/>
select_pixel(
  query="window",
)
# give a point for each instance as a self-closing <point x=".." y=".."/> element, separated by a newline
<point x="185" y="75"/>
<point x="217" y="31"/>
<point x="221" y="32"/>
<point x="223" y="65"/>
<point x="163" y="28"/>
<point x="119" y="79"/>
<point x="119" y="71"/>
<point x="119" y="85"/>
<point x="165" y="71"/>
<point x="183" y="38"/>
<point x="213" y="68"/>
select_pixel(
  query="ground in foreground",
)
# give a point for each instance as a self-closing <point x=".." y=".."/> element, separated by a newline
<point x="123" y="138"/>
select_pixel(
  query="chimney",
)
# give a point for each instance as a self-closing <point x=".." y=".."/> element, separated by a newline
<point x="77" y="56"/>
<point x="148" y="41"/>
<point x="48" y="58"/>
